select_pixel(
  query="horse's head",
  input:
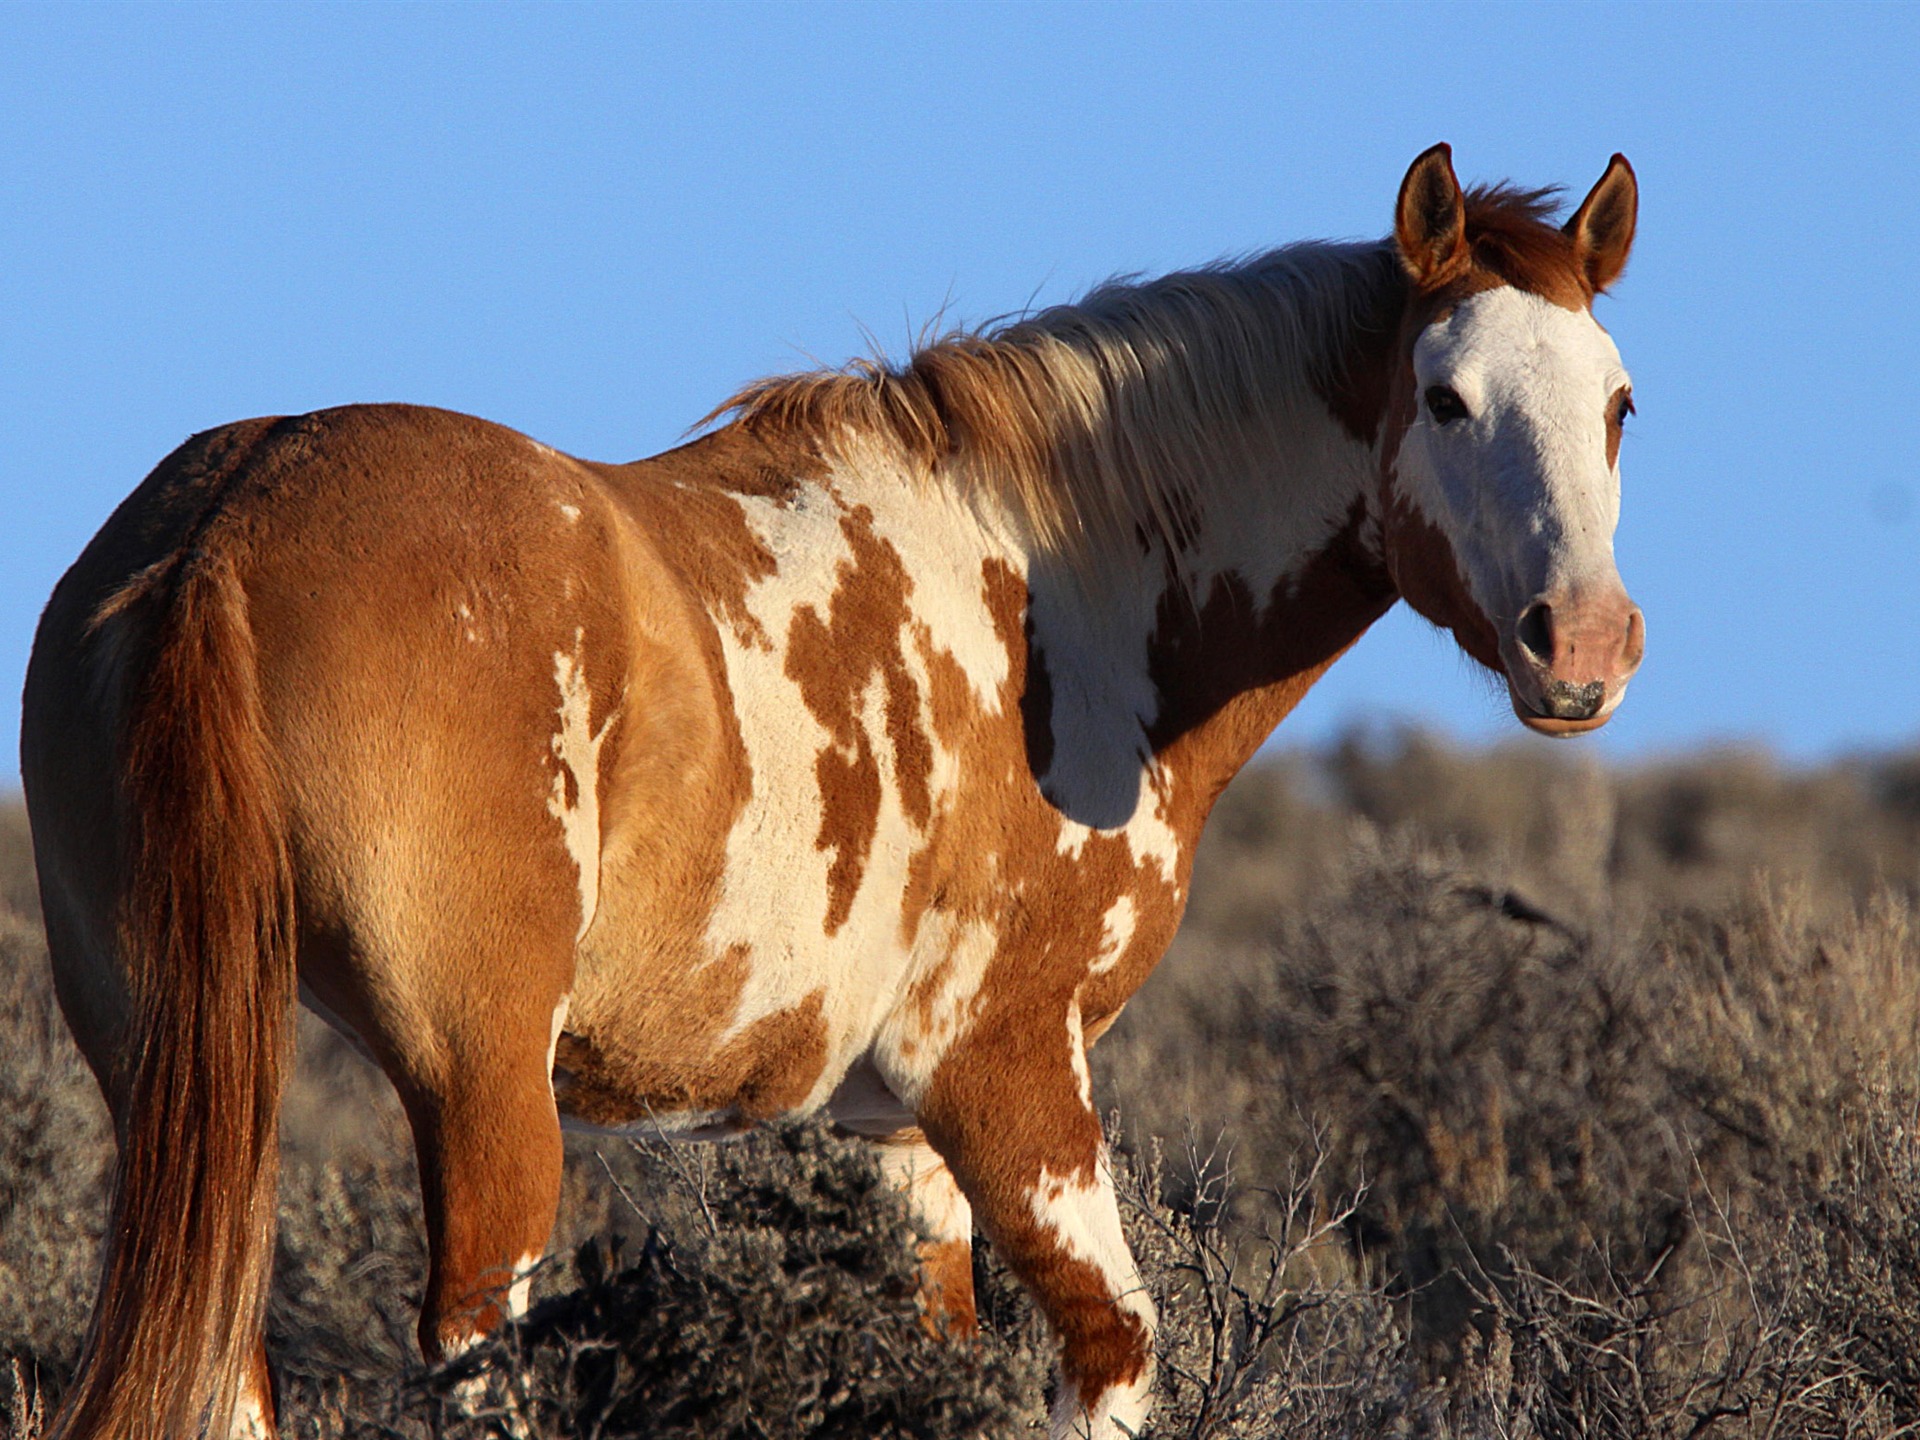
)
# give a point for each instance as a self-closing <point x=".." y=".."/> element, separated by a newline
<point x="1499" y="503"/>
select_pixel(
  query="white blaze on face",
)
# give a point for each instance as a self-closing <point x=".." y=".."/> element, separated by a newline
<point x="576" y="745"/>
<point x="1521" y="484"/>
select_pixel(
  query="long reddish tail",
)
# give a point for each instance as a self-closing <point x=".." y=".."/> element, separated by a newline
<point x="207" y="935"/>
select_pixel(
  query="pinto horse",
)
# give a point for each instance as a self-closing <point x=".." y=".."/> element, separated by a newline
<point x="847" y="760"/>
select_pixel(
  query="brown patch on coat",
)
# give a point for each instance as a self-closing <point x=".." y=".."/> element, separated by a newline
<point x="834" y="660"/>
<point x="1617" y="404"/>
<point x="688" y="501"/>
<point x="1428" y="575"/>
<point x="1512" y="240"/>
<point x="1233" y="655"/>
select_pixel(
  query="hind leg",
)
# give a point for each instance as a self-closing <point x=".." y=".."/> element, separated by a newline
<point x="913" y="1168"/>
<point x="464" y="1027"/>
<point x="488" y="1141"/>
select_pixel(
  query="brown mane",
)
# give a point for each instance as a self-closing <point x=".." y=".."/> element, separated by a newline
<point x="1105" y="418"/>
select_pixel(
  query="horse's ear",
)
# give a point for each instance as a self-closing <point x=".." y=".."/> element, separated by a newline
<point x="1602" y="228"/>
<point x="1430" y="221"/>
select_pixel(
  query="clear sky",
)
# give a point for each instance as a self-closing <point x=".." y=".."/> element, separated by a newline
<point x="591" y="223"/>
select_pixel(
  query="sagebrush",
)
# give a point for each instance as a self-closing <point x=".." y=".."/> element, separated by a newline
<point x="1484" y="1094"/>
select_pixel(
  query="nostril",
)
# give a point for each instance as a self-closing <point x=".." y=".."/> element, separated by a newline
<point x="1636" y="646"/>
<point x="1535" y="631"/>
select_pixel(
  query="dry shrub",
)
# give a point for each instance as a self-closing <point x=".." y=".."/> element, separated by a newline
<point x="19" y="891"/>
<point x="787" y="1307"/>
<point x="1692" y="833"/>
<point x="56" y="1150"/>
<point x="1543" y="1088"/>
<point x="1493" y="1077"/>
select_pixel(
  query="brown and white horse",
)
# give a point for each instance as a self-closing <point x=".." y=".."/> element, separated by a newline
<point x="848" y="760"/>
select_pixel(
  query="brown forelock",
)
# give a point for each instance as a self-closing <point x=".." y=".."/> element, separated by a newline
<point x="1513" y="241"/>
<point x="834" y="660"/>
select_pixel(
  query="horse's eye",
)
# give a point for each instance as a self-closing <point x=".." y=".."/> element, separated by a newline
<point x="1624" y="408"/>
<point x="1444" y="405"/>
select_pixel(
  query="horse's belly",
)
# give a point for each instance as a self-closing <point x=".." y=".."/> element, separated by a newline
<point x="728" y="1025"/>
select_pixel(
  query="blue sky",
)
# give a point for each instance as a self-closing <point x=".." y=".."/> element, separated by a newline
<point x="593" y="223"/>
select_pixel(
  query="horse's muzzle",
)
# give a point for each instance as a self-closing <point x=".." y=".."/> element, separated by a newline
<point x="1569" y="657"/>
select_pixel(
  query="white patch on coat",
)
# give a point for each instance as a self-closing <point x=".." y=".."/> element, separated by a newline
<point x="1521" y="485"/>
<point x="1085" y="1221"/>
<point x="943" y="541"/>
<point x="776" y="890"/>
<point x="250" y="1418"/>
<point x="572" y="512"/>
<point x="1077" y="1053"/>
<point x="520" y="1292"/>
<point x="1116" y="934"/>
<point x="915" y="1170"/>
<point x="559" y="1024"/>
<point x="576" y="745"/>
<point x="464" y="612"/>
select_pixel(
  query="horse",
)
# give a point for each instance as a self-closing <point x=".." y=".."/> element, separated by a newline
<point x="847" y="760"/>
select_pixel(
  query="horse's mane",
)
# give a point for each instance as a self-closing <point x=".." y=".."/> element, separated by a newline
<point x="1103" y="420"/>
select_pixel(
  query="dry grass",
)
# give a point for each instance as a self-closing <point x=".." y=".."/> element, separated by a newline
<point x="1506" y="1097"/>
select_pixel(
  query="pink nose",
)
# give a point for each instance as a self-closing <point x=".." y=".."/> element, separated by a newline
<point x="1579" y="650"/>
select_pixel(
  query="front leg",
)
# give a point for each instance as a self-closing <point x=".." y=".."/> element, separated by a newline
<point x="1010" y="1110"/>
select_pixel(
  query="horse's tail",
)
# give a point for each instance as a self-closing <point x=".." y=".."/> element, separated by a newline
<point x="207" y="940"/>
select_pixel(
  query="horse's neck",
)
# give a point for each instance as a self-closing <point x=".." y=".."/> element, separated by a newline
<point x="1168" y="671"/>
